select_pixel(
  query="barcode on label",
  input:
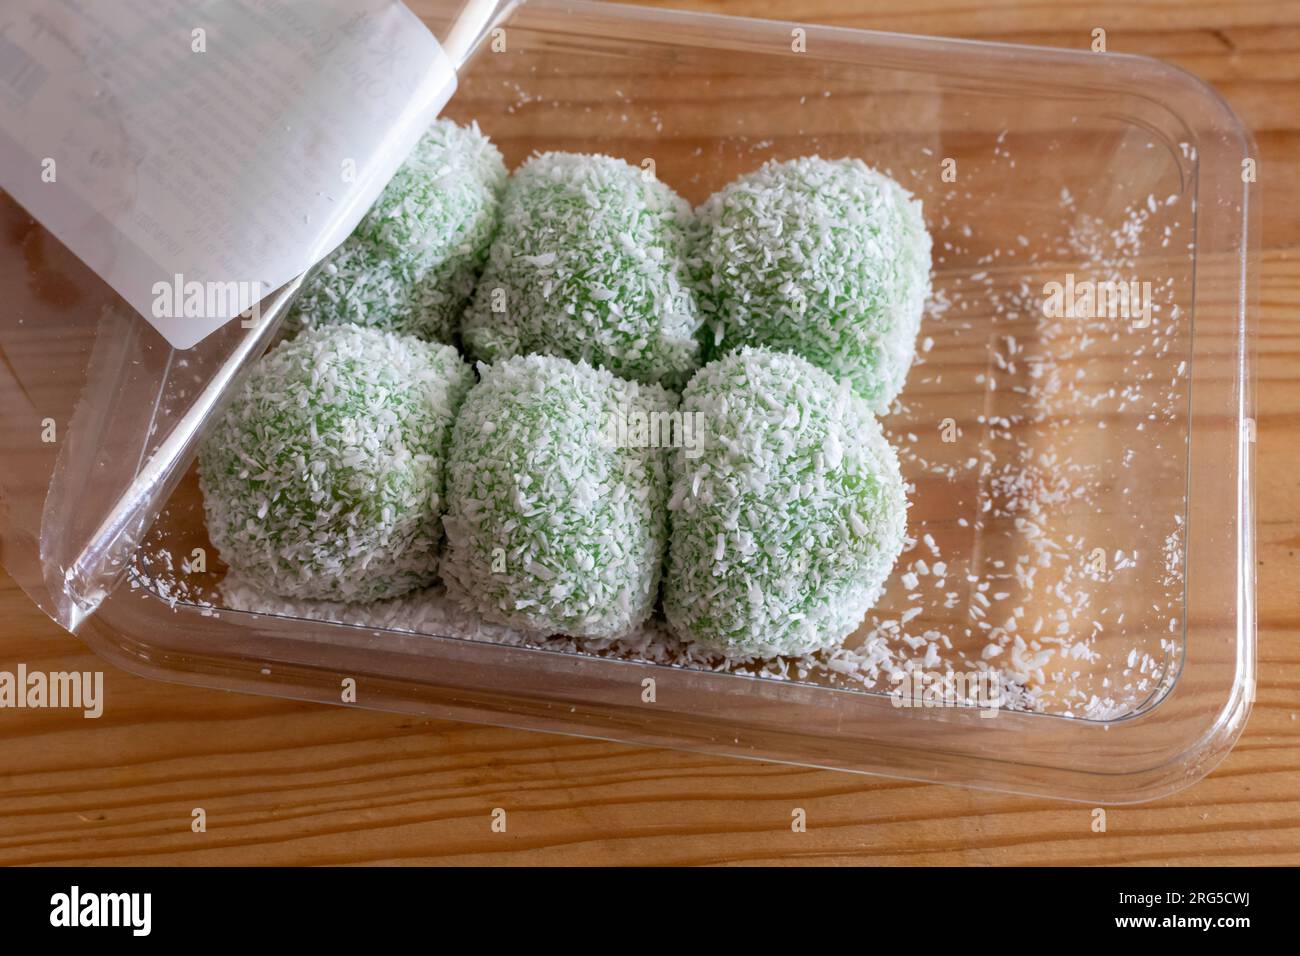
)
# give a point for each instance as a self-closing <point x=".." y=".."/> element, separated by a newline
<point x="18" y="70"/>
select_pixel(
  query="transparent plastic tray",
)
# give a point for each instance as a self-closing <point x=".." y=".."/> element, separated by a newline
<point x="1082" y="503"/>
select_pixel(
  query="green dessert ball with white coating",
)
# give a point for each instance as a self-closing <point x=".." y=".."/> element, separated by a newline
<point x="411" y="263"/>
<point x="325" y="477"/>
<point x="787" y="524"/>
<point x="556" y="522"/>
<point x="828" y="259"/>
<point x="591" y="262"/>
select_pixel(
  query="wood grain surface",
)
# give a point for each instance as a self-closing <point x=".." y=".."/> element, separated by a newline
<point x="288" y="783"/>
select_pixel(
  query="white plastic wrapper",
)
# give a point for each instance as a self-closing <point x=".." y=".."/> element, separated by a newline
<point x="199" y="155"/>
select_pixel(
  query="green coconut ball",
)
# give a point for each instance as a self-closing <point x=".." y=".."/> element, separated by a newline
<point x="411" y="263"/>
<point x="591" y="262"/>
<point x="828" y="259"/>
<point x="556" y="519"/>
<point x="787" y="524"/>
<point x="324" y="479"/>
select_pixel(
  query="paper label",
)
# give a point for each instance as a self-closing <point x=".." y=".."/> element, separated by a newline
<point x="198" y="154"/>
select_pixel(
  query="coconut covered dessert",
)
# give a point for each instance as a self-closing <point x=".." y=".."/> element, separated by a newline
<point x="828" y="259"/>
<point x="324" y="478"/>
<point x="411" y="263"/>
<point x="554" y="524"/>
<point x="787" y="524"/>
<point x="592" y="263"/>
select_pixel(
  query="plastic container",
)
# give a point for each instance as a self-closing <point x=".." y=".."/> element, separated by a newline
<point x="1083" y="483"/>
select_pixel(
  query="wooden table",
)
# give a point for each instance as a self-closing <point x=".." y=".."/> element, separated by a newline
<point x="290" y="783"/>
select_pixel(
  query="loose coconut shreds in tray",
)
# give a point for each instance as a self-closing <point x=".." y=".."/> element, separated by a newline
<point x="873" y="665"/>
<point x="1043" y="399"/>
<point x="868" y="667"/>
